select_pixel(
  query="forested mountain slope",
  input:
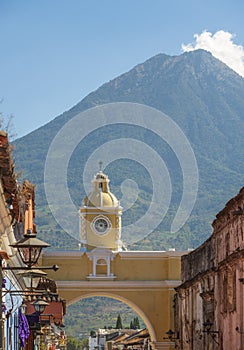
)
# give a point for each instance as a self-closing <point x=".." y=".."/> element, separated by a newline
<point x="203" y="96"/>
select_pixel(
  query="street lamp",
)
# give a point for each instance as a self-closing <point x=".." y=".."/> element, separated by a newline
<point x="31" y="278"/>
<point x="208" y="329"/>
<point x="40" y="305"/>
<point x="30" y="248"/>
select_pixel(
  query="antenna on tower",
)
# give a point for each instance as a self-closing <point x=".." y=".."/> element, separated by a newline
<point x="100" y="165"/>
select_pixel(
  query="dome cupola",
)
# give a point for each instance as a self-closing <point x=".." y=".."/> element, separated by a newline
<point x="100" y="196"/>
<point x="101" y="216"/>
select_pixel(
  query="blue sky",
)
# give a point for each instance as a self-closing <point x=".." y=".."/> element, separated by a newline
<point x="54" y="52"/>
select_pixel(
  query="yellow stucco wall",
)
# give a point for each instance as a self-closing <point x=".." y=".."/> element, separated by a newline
<point x="143" y="280"/>
<point x="126" y="266"/>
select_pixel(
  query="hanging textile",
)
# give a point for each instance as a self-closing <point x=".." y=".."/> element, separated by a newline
<point x="24" y="329"/>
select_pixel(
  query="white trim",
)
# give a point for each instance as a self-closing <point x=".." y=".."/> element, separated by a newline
<point x="63" y="255"/>
<point x="116" y="285"/>
<point x="129" y="255"/>
<point x="149" y="254"/>
<point x="111" y="277"/>
<point x="123" y="254"/>
<point x="98" y="253"/>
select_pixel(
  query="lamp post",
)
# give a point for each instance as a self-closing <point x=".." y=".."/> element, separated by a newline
<point x="32" y="278"/>
<point x="208" y="329"/>
<point x="40" y="305"/>
<point x="30" y="248"/>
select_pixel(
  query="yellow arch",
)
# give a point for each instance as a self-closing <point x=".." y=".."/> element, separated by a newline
<point x="125" y="301"/>
<point x="144" y="281"/>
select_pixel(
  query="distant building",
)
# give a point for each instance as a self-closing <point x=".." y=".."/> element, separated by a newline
<point x="209" y="302"/>
<point x="93" y="342"/>
<point x="118" y="339"/>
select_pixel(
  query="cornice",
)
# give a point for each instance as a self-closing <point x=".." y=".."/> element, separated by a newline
<point x="116" y="285"/>
<point x="131" y="255"/>
<point x="124" y="255"/>
<point x="63" y="255"/>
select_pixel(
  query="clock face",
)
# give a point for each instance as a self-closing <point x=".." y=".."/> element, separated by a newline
<point x="101" y="225"/>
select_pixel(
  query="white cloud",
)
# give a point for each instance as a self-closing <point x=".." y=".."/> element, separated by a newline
<point x="221" y="46"/>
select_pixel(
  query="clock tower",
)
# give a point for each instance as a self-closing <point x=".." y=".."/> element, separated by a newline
<point x="100" y="216"/>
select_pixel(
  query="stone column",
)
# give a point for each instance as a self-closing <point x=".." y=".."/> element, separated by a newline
<point x="108" y="266"/>
<point x="94" y="266"/>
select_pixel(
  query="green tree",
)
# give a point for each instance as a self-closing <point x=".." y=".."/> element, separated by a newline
<point x="93" y="334"/>
<point x="119" y="322"/>
<point x="84" y="343"/>
<point x="72" y="343"/>
<point x="135" y="323"/>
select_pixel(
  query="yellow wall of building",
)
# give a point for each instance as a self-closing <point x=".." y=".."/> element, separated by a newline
<point x="146" y="267"/>
<point x="143" y="280"/>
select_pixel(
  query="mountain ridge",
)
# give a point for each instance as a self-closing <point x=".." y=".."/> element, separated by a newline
<point x="200" y="93"/>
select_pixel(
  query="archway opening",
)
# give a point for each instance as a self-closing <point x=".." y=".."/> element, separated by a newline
<point x="107" y="316"/>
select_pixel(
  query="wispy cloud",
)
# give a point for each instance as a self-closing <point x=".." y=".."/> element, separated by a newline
<point x="221" y="46"/>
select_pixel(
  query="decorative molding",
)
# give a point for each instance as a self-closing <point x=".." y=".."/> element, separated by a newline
<point x="105" y="210"/>
<point x="101" y="253"/>
<point x="131" y="255"/>
<point x="115" y="285"/>
<point x="63" y="255"/>
<point x="101" y="277"/>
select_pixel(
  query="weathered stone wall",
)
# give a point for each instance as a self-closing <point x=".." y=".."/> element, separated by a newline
<point x="213" y="286"/>
<point x="198" y="261"/>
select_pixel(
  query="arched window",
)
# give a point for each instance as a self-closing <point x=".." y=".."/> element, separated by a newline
<point x="101" y="262"/>
<point x="101" y="267"/>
